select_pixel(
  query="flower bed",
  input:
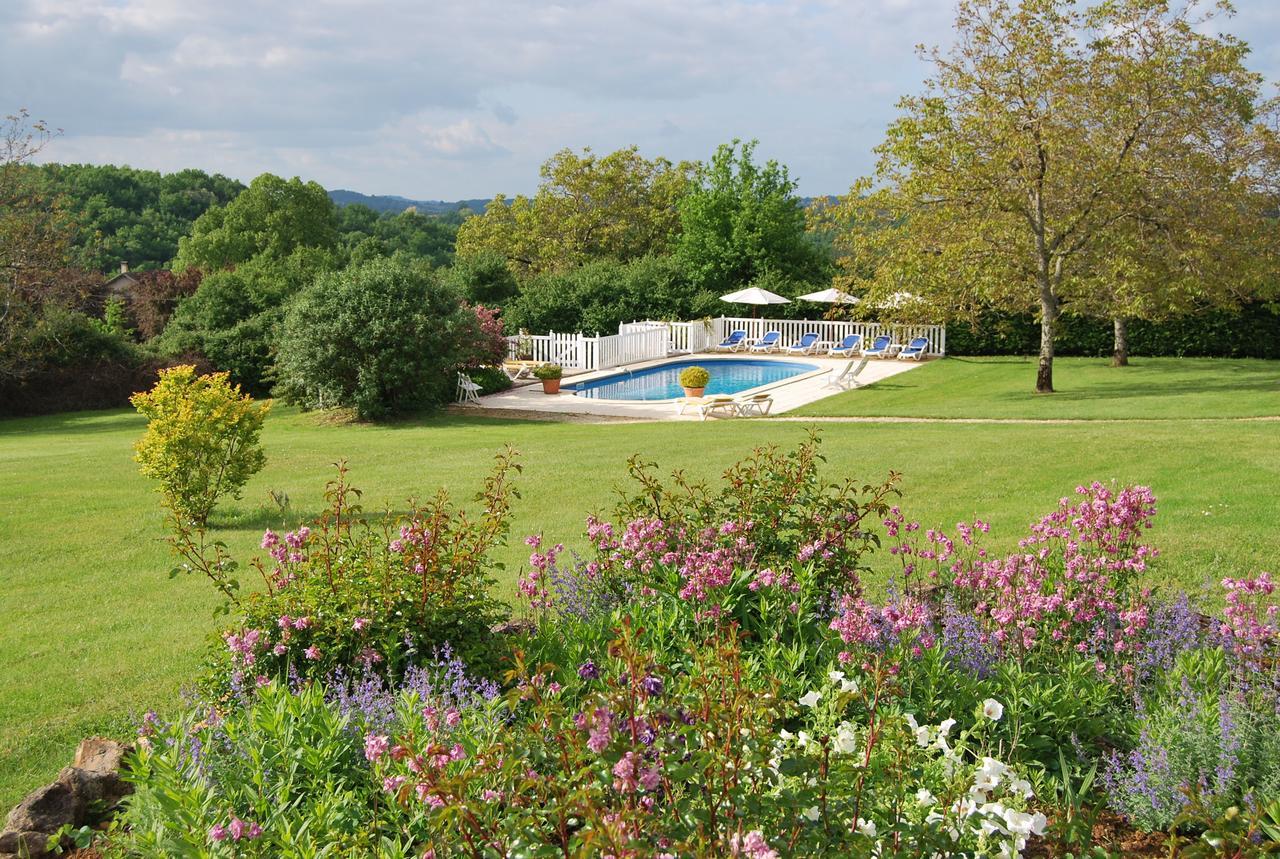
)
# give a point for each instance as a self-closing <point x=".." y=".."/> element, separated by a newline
<point x="712" y="678"/>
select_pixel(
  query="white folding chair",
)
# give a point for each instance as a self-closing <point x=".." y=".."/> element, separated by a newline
<point x="468" y="391"/>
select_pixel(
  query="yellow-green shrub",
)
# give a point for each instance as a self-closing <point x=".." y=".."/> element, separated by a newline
<point x="201" y="441"/>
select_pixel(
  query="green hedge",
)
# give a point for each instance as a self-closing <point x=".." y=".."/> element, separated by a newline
<point x="1253" y="332"/>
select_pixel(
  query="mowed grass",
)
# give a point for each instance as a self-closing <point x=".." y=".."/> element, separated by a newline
<point x="95" y="633"/>
<point x="1085" y="389"/>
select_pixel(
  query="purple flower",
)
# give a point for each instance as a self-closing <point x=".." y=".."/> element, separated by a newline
<point x="588" y="671"/>
<point x="652" y="686"/>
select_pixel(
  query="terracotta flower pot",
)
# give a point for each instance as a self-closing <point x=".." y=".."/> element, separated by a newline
<point x="550" y="386"/>
<point x="694" y="392"/>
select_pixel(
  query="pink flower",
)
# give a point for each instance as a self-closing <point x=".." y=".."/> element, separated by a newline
<point x="452" y="718"/>
<point x="312" y="652"/>
<point x="236" y="828"/>
<point x="375" y="746"/>
<point x="360" y="623"/>
<point x="392" y="784"/>
<point x="219" y="832"/>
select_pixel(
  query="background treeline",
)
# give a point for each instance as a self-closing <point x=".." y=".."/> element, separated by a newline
<point x="220" y="270"/>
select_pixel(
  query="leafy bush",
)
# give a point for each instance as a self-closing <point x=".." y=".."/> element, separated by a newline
<point x="547" y="372"/>
<point x="483" y="278"/>
<point x="597" y="296"/>
<point x="201" y="441"/>
<point x="382" y="338"/>
<point x="694" y="377"/>
<point x="234" y="316"/>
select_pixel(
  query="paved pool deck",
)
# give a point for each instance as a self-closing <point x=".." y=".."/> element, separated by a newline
<point x="788" y="394"/>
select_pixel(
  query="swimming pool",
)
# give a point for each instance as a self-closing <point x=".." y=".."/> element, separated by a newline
<point x="728" y="376"/>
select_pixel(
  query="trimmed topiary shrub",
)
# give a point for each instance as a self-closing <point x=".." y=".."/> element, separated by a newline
<point x="694" y="377"/>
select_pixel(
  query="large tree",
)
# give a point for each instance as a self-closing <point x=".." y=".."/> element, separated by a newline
<point x="272" y="218"/>
<point x="619" y="206"/>
<point x="1067" y="158"/>
<point x="743" y="222"/>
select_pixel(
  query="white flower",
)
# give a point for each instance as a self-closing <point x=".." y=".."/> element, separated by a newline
<point x="924" y="735"/>
<point x="984" y="781"/>
<point x="992" y="709"/>
<point x="945" y="727"/>
<point x="846" y="740"/>
<point x="803" y="739"/>
<point x="1022" y="787"/>
<point x="812" y="698"/>
<point x="849" y="686"/>
<point x="786" y="735"/>
<point x="811" y="814"/>
<point x="924" y="797"/>
<point x="866" y="827"/>
<point x="835" y="676"/>
<point x="1018" y="821"/>
<point x="993" y="767"/>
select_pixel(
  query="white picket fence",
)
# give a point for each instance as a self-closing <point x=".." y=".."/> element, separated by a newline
<point x="644" y="341"/>
<point x="577" y="352"/>
<point x="683" y="337"/>
<point x="830" y="331"/>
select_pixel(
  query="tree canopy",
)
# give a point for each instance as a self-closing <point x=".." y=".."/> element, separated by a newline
<point x="1065" y="158"/>
<point x="271" y="217"/>
<point x="619" y="206"/>
<point x="741" y="222"/>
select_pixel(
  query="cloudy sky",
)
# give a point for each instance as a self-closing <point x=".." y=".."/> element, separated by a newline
<point x="450" y="99"/>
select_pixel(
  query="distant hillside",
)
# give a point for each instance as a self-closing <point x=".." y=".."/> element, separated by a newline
<point x="381" y="203"/>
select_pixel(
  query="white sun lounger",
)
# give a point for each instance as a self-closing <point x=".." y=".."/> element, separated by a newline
<point x="848" y="376"/>
<point x="706" y="406"/>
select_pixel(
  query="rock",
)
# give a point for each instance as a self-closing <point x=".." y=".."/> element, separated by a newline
<point x="45" y="810"/>
<point x="82" y="793"/>
<point x="98" y="761"/>
<point x="100" y="755"/>
<point x="24" y="845"/>
<point x="514" y="626"/>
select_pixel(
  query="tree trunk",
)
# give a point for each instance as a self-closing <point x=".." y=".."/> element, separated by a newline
<point x="1120" y="358"/>
<point x="1048" y="324"/>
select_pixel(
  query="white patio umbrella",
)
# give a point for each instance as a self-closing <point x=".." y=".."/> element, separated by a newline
<point x="756" y="296"/>
<point x="830" y="296"/>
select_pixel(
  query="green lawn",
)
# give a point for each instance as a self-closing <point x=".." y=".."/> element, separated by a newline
<point x="95" y="632"/>
<point x="1086" y="388"/>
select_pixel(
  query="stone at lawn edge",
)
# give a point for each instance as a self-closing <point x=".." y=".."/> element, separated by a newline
<point x="89" y="789"/>
<point x="44" y="811"/>
<point x="100" y="761"/>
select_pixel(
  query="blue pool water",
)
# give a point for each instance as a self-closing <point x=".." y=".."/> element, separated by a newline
<point x="729" y="376"/>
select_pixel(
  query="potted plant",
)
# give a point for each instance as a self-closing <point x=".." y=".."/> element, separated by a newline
<point x="694" y="381"/>
<point x="550" y="375"/>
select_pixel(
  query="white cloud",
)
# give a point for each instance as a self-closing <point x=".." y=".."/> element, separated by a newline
<point x="467" y="97"/>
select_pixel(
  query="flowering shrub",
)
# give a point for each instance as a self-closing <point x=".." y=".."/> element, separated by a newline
<point x="367" y="594"/>
<point x="710" y="678"/>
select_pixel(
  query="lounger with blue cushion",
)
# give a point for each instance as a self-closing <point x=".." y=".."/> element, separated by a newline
<point x="735" y="341"/>
<point x="882" y="346"/>
<point x="804" y="346"/>
<point x="847" y="346"/>
<point x="916" y="349"/>
<point x="767" y="343"/>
